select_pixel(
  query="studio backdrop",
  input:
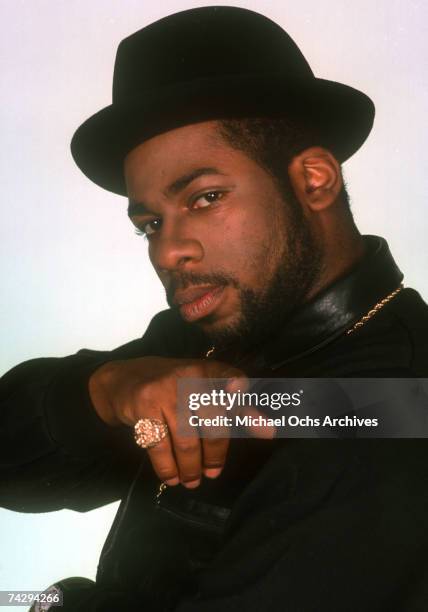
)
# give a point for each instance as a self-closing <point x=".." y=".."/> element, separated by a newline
<point x="74" y="274"/>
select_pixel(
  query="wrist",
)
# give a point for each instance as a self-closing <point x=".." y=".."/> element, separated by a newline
<point x="100" y="385"/>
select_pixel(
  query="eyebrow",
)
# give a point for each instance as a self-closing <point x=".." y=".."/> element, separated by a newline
<point x="139" y="208"/>
<point x="183" y="181"/>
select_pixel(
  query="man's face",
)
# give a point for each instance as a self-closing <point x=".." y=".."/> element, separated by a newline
<point x="234" y="256"/>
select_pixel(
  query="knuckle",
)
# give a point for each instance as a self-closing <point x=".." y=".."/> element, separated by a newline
<point x="224" y="370"/>
<point x="217" y="444"/>
<point x="166" y="472"/>
<point x="161" y="449"/>
<point x="186" y="447"/>
<point x="161" y="391"/>
<point x="144" y="393"/>
<point x="189" y="369"/>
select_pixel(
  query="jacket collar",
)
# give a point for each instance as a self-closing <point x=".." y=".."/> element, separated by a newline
<point x="336" y="308"/>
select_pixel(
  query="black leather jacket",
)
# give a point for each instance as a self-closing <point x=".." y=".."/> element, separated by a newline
<point x="302" y="525"/>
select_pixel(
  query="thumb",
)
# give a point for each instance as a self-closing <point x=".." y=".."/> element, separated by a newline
<point x="256" y="424"/>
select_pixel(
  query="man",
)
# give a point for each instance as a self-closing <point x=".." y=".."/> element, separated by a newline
<point x="229" y="150"/>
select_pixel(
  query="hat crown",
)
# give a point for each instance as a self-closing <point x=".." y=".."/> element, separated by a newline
<point x="208" y="64"/>
<point x="204" y="43"/>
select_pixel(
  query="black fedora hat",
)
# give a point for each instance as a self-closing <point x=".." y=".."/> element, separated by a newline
<point x="212" y="63"/>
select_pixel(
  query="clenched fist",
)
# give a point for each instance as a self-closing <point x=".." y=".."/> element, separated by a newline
<point x="126" y="391"/>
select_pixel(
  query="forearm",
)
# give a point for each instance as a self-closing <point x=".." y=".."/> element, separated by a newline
<point x="55" y="452"/>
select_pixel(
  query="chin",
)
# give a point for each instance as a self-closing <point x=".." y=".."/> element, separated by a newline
<point x="221" y="332"/>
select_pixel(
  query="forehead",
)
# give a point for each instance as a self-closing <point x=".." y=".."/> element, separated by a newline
<point x="187" y="142"/>
<point x="177" y="152"/>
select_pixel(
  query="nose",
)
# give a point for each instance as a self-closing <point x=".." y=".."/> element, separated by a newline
<point x="174" y="253"/>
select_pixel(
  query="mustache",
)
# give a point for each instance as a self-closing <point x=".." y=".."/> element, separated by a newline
<point x="184" y="280"/>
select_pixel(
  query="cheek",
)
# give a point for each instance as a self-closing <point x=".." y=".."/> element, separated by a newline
<point x="243" y="247"/>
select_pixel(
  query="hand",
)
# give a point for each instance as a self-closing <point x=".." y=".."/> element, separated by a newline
<point x="123" y="392"/>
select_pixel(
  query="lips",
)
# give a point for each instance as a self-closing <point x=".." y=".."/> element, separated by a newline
<point x="198" y="302"/>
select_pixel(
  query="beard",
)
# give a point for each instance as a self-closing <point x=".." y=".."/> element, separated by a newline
<point x="263" y="312"/>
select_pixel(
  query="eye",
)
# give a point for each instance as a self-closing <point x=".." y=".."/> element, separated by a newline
<point x="208" y="198"/>
<point x="149" y="228"/>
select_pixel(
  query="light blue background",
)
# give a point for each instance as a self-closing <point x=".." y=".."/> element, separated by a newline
<point x="73" y="272"/>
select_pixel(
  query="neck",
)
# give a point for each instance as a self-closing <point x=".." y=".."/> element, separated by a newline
<point x="344" y="251"/>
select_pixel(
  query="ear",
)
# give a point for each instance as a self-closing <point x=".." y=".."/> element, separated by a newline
<point x="316" y="178"/>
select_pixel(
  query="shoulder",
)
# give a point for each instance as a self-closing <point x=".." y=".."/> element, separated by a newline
<point x="410" y="313"/>
<point x="394" y="342"/>
<point x="400" y="333"/>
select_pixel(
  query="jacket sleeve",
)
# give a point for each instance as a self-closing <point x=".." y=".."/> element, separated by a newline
<point x="55" y="452"/>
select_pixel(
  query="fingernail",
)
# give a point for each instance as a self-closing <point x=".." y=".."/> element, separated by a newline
<point x="172" y="482"/>
<point x="192" y="484"/>
<point x="212" y="472"/>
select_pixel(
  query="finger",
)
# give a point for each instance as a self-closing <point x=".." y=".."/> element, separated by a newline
<point x="161" y="455"/>
<point x="256" y="427"/>
<point x="188" y="454"/>
<point x="214" y="455"/>
<point x="237" y="384"/>
<point x="162" y="458"/>
<point x="214" y="426"/>
<point x="218" y="369"/>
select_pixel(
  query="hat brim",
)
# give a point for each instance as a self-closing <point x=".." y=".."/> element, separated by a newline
<point x="341" y="117"/>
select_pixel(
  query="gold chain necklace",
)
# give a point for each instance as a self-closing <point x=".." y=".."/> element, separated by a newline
<point x="371" y="313"/>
